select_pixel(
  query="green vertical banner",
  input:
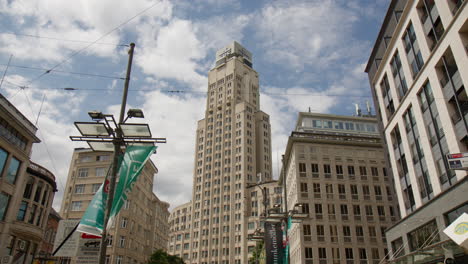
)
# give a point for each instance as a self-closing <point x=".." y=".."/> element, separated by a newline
<point x="286" y="242"/>
<point x="130" y="168"/>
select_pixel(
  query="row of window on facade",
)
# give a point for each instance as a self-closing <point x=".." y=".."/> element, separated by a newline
<point x="349" y="254"/>
<point x="345" y="211"/>
<point x="327" y="170"/>
<point x="339" y="125"/>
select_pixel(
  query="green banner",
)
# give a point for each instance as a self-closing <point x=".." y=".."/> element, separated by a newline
<point x="130" y="168"/>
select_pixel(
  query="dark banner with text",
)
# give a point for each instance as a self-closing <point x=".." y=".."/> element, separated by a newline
<point x="274" y="243"/>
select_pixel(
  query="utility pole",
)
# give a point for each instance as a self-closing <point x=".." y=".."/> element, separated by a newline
<point x="118" y="142"/>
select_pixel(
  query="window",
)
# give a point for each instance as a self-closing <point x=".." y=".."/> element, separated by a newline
<point x="3" y="159"/>
<point x="420" y="236"/>
<point x="102" y="157"/>
<point x="4" y="202"/>
<point x="398" y="75"/>
<point x="82" y="172"/>
<point x="375" y="171"/>
<point x="123" y="222"/>
<point x="362" y="254"/>
<point x="349" y="253"/>
<point x="76" y="205"/>
<point x="327" y="170"/>
<point x="122" y="242"/>
<point x="302" y="170"/>
<point x="12" y="170"/>
<point x="351" y="171"/>
<point x="32" y="213"/>
<point x="119" y="260"/>
<point x="322" y="253"/>
<point x="413" y="53"/>
<point x="28" y="189"/>
<point x="100" y="172"/>
<point x="363" y="171"/>
<point x="22" y="211"/>
<point x="79" y="188"/>
<point x="320" y="233"/>
<point x="95" y="187"/>
<point x="315" y="170"/>
<point x="339" y="171"/>
<point x="308" y="253"/>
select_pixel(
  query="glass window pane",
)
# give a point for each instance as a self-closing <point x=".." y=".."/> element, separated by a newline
<point x="4" y="201"/>
<point x="3" y="158"/>
<point x="12" y="170"/>
<point x="22" y="211"/>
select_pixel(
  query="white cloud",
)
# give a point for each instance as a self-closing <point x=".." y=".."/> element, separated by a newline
<point x="54" y="124"/>
<point x="310" y="33"/>
<point x="174" y="118"/>
<point x="75" y="20"/>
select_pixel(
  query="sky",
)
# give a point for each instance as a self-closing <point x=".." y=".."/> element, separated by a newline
<point x="309" y="55"/>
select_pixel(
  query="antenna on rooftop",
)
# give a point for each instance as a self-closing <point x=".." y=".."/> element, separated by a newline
<point x="358" y="110"/>
<point x="368" y="108"/>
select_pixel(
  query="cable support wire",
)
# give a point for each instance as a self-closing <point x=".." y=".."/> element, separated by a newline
<point x="61" y="39"/>
<point x="89" y="45"/>
<point x="44" y="141"/>
<point x="313" y="94"/>
<point x="69" y="72"/>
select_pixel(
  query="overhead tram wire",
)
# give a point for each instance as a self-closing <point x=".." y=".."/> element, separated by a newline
<point x="43" y="140"/>
<point x="90" y="44"/>
<point x="67" y="72"/>
<point x="61" y="39"/>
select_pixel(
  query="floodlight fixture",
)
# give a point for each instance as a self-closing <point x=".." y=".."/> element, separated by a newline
<point x="137" y="113"/>
<point x="135" y="130"/>
<point x="96" y="115"/>
<point x="92" y="128"/>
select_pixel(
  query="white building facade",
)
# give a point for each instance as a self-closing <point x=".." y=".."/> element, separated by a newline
<point x="418" y="71"/>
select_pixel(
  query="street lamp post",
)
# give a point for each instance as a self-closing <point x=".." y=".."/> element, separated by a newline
<point x="108" y="135"/>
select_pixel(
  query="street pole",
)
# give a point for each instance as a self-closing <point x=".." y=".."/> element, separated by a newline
<point x="118" y="141"/>
<point x="285" y="207"/>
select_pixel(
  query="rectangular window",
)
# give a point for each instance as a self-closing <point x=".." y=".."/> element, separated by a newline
<point x="12" y="170"/>
<point x="4" y="202"/>
<point x="122" y="242"/>
<point x="100" y="172"/>
<point x="398" y="75"/>
<point x="349" y="253"/>
<point x="420" y="236"/>
<point x="79" y="188"/>
<point x="76" y="205"/>
<point x="302" y="169"/>
<point x="95" y="187"/>
<point x="351" y="171"/>
<point x="3" y="159"/>
<point x="315" y="170"/>
<point x="413" y="53"/>
<point x="22" y="211"/>
<point x="308" y="253"/>
<point x="82" y="172"/>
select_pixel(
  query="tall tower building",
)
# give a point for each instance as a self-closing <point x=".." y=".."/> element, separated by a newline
<point x="233" y="150"/>
<point x="335" y="168"/>
<point x="418" y="72"/>
<point x="142" y="224"/>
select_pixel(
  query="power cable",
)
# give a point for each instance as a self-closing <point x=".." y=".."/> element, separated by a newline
<point x="69" y="72"/>
<point x="61" y="39"/>
<point x="44" y="141"/>
<point x="4" y="73"/>
<point x="90" y="44"/>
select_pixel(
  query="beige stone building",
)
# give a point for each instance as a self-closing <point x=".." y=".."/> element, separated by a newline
<point x="26" y="189"/>
<point x="335" y="168"/>
<point x="179" y="237"/>
<point x="141" y="226"/>
<point x="418" y="72"/>
<point x="233" y="150"/>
